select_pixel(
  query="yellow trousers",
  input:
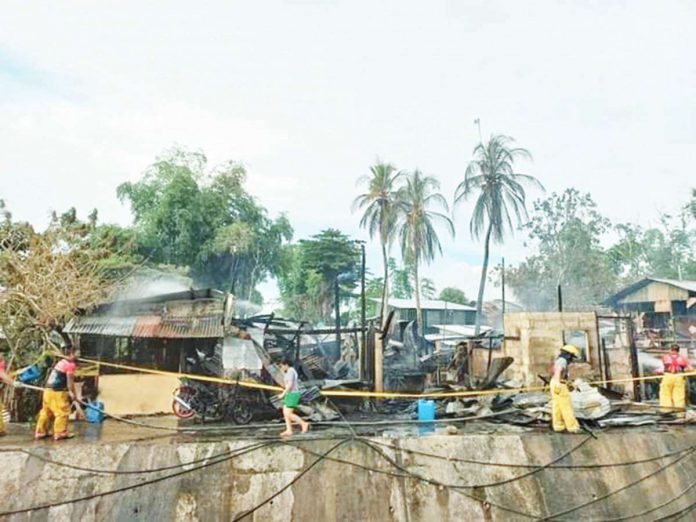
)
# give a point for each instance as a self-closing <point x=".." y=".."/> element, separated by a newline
<point x="2" y="421"/>
<point x="562" y="416"/>
<point x="672" y="391"/>
<point x="55" y="407"/>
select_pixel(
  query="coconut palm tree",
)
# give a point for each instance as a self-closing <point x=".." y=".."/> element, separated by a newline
<point x="419" y="241"/>
<point x="379" y="214"/>
<point x="500" y="197"/>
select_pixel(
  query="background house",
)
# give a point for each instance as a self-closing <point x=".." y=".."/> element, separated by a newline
<point x="666" y="308"/>
<point x="435" y="313"/>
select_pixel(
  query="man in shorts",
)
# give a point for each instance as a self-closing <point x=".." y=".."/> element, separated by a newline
<point x="291" y="399"/>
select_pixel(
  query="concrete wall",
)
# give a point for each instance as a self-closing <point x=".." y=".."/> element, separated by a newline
<point x="137" y="393"/>
<point x="539" y="339"/>
<point x="334" y="491"/>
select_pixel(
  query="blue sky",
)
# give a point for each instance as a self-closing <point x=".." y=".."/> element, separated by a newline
<point x="307" y="94"/>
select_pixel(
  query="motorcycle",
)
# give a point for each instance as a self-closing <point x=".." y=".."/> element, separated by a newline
<point x="213" y="402"/>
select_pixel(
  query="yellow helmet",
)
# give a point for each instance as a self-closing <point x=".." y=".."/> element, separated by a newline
<point x="571" y="349"/>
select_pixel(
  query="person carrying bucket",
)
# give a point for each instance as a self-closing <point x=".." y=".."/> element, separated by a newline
<point x="58" y="394"/>
<point x="562" y="414"/>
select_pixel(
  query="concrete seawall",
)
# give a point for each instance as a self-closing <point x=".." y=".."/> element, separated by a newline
<point x="338" y="491"/>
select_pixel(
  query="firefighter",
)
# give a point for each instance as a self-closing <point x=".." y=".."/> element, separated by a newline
<point x="57" y="398"/>
<point x="673" y="385"/>
<point x="562" y="416"/>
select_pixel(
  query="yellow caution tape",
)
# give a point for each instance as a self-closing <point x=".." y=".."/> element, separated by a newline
<point x="370" y="394"/>
<point x="192" y="376"/>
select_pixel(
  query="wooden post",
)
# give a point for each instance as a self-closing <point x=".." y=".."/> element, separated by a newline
<point x="635" y="370"/>
<point x="379" y="363"/>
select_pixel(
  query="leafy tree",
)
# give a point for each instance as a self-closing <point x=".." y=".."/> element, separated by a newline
<point x="379" y="206"/>
<point x="500" y="197"/>
<point x="428" y="290"/>
<point x="314" y="265"/>
<point x="454" y="295"/>
<point x="401" y="279"/>
<point x="188" y="215"/>
<point x="566" y="230"/>
<point x="666" y="251"/>
<point x="419" y="241"/>
<point x="46" y="278"/>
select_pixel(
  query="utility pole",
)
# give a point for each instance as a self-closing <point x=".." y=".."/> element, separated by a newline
<point x="477" y="122"/>
<point x="337" y="312"/>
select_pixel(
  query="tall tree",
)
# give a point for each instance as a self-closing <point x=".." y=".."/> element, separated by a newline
<point x="454" y="295"/>
<point x="189" y="215"/>
<point x="315" y="264"/>
<point x="378" y="205"/>
<point x="566" y="230"/>
<point x="419" y="241"/>
<point x="500" y="197"/>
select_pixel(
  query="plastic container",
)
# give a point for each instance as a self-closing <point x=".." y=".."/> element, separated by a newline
<point x="426" y="410"/>
<point x="29" y="374"/>
<point x="95" y="412"/>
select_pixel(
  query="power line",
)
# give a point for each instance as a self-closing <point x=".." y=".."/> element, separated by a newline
<point x="135" y="486"/>
<point x="533" y="466"/>
<point x="293" y="481"/>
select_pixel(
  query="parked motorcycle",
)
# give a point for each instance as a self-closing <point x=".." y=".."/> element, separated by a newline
<point x="210" y="401"/>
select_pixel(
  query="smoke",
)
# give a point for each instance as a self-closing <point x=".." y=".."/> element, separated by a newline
<point x="244" y="309"/>
<point x="152" y="283"/>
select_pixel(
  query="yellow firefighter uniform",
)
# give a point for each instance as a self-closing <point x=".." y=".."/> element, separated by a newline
<point x="562" y="415"/>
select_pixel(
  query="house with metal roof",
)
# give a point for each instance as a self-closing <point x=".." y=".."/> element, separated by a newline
<point x="435" y="312"/>
<point x="667" y="306"/>
<point x="157" y="332"/>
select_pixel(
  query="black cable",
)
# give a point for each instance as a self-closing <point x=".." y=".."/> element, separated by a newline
<point x="133" y="486"/>
<point x="463" y="486"/>
<point x="679" y="514"/>
<point x="301" y="474"/>
<point x="532" y="466"/>
<point x="434" y="482"/>
<point x="133" y="472"/>
<point x="554" y="516"/>
<point x="653" y="509"/>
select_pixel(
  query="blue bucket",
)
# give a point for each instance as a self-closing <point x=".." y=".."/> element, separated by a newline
<point x="29" y="374"/>
<point x="95" y="412"/>
<point x="426" y="410"/>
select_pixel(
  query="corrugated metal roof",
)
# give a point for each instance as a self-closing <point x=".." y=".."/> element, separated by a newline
<point x="101" y="325"/>
<point x="429" y="304"/>
<point x="689" y="286"/>
<point x="148" y="326"/>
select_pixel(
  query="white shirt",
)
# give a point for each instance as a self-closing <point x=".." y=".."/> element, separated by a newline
<point x="290" y="380"/>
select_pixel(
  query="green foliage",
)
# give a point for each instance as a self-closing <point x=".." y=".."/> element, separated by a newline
<point x="187" y="215"/>
<point x="566" y="230"/>
<point x="380" y="212"/>
<point x="665" y="252"/>
<point x="500" y="197"/>
<point x="454" y="295"/>
<point x="427" y="288"/>
<point x="310" y="270"/>
<point x="401" y="279"/>
<point x="419" y="239"/>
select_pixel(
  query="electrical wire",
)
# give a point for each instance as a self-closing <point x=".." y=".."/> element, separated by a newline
<point x="655" y="508"/>
<point x="466" y="486"/>
<point x="532" y="466"/>
<point x="135" y="486"/>
<point x="97" y="471"/>
<point x="659" y="470"/>
<point x="297" y="478"/>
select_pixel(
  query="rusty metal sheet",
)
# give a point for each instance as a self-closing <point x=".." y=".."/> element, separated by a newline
<point x="101" y="325"/>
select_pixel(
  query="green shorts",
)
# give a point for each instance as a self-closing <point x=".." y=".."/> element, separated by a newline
<point x="292" y="399"/>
